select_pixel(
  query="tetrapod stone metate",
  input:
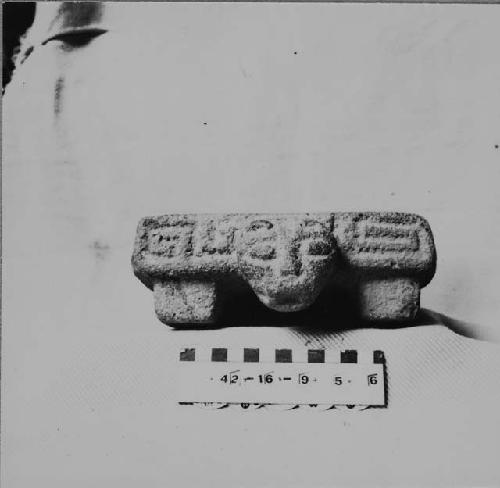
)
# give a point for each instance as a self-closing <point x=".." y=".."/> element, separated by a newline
<point x="189" y="260"/>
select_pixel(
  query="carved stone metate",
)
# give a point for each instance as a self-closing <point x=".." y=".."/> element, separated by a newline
<point x="192" y="261"/>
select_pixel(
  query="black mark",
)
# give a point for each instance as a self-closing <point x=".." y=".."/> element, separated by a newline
<point x="74" y="39"/>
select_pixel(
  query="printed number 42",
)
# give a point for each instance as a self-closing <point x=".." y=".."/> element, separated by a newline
<point x="232" y="379"/>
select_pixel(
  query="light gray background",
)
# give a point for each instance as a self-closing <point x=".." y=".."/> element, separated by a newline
<point x="384" y="107"/>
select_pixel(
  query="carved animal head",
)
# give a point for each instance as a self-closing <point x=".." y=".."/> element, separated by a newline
<point x="287" y="259"/>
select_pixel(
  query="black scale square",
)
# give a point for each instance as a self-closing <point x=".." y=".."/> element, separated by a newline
<point x="219" y="354"/>
<point x="316" y="356"/>
<point x="188" y="354"/>
<point x="250" y="355"/>
<point x="349" y="356"/>
<point x="283" y="356"/>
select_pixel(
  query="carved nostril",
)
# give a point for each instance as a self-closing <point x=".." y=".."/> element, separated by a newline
<point x="289" y="263"/>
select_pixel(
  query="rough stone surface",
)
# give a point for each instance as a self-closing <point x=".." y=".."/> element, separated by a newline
<point x="391" y="298"/>
<point x="191" y="261"/>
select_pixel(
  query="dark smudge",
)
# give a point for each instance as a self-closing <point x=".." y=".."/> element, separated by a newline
<point x="100" y="249"/>
<point x="58" y="93"/>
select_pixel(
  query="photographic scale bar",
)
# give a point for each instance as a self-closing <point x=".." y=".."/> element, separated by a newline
<point x="287" y="377"/>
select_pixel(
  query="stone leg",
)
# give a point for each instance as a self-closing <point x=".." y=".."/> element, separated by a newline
<point x="389" y="299"/>
<point x="183" y="302"/>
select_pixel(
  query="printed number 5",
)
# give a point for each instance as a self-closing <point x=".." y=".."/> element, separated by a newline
<point x="338" y="380"/>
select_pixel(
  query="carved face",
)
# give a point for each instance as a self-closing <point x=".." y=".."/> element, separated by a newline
<point x="287" y="260"/>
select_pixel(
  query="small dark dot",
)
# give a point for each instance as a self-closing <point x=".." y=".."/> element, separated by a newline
<point x="496" y="146"/>
<point x="204" y="123"/>
<point x="295" y="52"/>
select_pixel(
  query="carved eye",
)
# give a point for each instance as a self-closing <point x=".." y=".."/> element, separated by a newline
<point x="260" y="225"/>
<point x="77" y="37"/>
<point x="319" y="248"/>
<point x="263" y="251"/>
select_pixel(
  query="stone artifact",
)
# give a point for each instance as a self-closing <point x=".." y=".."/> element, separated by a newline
<point x="192" y="261"/>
